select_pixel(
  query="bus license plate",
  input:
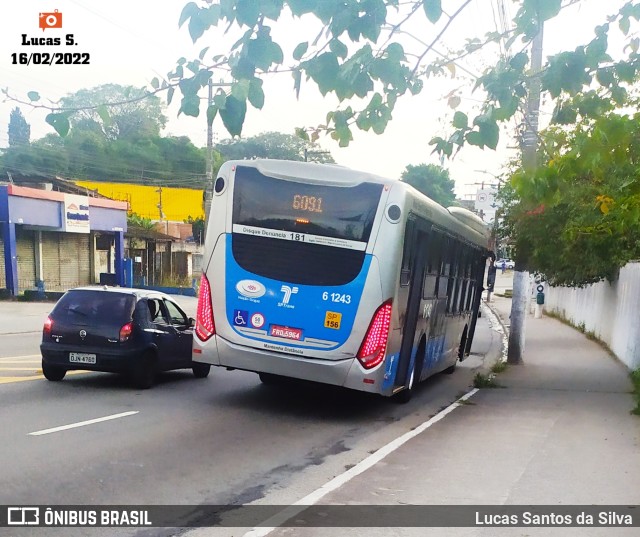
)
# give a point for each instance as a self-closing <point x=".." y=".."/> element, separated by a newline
<point x="82" y="358"/>
<point x="332" y="320"/>
<point x="286" y="332"/>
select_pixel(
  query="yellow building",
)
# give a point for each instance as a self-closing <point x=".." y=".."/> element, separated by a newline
<point x="154" y="202"/>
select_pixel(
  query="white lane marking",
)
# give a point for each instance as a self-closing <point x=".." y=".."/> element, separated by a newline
<point x="83" y="423"/>
<point x="362" y="466"/>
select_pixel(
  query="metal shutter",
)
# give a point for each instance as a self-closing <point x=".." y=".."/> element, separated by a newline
<point x="26" y="258"/>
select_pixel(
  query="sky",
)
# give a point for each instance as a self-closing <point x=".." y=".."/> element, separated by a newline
<point x="131" y="42"/>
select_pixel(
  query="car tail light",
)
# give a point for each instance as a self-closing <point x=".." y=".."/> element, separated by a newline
<point x="374" y="344"/>
<point x="205" y="325"/>
<point x="125" y="332"/>
<point x="48" y="325"/>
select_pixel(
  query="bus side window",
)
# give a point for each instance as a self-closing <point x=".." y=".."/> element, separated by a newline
<point x="408" y="253"/>
<point x="453" y="272"/>
<point x="430" y="284"/>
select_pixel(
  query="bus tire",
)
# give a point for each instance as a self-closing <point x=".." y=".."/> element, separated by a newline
<point x="405" y="395"/>
<point x="269" y="379"/>
<point x="200" y="370"/>
<point x="451" y="369"/>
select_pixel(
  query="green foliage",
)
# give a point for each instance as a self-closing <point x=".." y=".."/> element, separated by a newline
<point x="19" y="130"/>
<point x="143" y="222"/>
<point x="273" y="145"/>
<point x="585" y="198"/>
<point x="86" y="154"/>
<point x="197" y="225"/>
<point x="433" y="181"/>
<point x="118" y="112"/>
<point x="635" y="379"/>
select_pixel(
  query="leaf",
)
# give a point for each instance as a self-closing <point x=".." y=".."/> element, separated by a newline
<point x="190" y="105"/>
<point x="460" y="121"/>
<point x="197" y="26"/>
<point x="240" y="89"/>
<point x="297" y="82"/>
<point x="233" y="115"/>
<point x="188" y="11"/>
<point x="212" y="111"/>
<point x="519" y="61"/>
<point x="451" y="67"/>
<point x="453" y="101"/>
<point x="170" y="93"/>
<point x="338" y="48"/>
<point x="256" y="93"/>
<point x="624" y="25"/>
<point x="433" y="9"/>
<point x="155" y="84"/>
<point x="203" y="52"/>
<point x="474" y="138"/>
<point x="60" y="122"/>
<point x="33" y="96"/>
<point x="300" y="50"/>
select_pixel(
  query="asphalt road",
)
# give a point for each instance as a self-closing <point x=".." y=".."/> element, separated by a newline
<point x="226" y="439"/>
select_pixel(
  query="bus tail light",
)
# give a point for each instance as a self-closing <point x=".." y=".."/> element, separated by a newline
<point x="205" y="325"/>
<point x="374" y="345"/>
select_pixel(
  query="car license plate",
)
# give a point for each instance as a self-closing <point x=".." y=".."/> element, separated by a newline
<point x="285" y="332"/>
<point x="82" y="358"/>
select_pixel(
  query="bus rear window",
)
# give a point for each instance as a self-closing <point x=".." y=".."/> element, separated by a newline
<point x="347" y="213"/>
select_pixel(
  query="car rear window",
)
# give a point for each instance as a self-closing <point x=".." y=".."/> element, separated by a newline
<point x="92" y="305"/>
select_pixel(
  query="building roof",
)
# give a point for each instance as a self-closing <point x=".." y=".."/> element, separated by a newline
<point x="140" y="232"/>
<point x="51" y="183"/>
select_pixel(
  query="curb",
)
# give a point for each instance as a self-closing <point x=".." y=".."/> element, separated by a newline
<point x="496" y="324"/>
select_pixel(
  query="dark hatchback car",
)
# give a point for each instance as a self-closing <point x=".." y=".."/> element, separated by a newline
<point x="131" y="331"/>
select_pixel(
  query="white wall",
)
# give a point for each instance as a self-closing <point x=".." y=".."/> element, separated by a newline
<point x="610" y="310"/>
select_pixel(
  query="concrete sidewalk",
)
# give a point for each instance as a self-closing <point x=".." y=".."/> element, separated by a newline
<point x="557" y="431"/>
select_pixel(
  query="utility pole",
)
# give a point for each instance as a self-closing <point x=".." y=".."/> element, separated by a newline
<point x="208" y="189"/>
<point x="529" y="163"/>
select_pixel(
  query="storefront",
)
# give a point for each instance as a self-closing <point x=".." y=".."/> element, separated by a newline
<point x="56" y="241"/>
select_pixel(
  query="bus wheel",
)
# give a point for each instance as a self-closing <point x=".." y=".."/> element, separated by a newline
<point x="405" y="395"/>
<point x="451" y="369"/>
<point x="200" y="370"/>
<point x="269" y="379"/>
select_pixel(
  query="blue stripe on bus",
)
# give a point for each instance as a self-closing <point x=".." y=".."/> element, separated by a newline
<point x="306" y="311"/>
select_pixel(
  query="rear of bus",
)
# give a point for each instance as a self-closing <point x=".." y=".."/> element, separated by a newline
<point x="291" y="286"/>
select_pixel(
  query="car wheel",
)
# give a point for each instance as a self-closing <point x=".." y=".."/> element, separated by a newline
<point x="200" y="371"/>
<point x="144" y="373"/>
<point x="52" y="372"/>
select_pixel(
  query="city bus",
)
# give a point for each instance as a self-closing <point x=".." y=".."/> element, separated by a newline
<point x="322" y="273"/>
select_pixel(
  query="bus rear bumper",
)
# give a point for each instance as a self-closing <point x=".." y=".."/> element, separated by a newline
<point x="345" y="372"/>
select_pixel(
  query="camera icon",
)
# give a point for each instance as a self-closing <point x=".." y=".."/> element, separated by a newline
<point x="50" y="20"/>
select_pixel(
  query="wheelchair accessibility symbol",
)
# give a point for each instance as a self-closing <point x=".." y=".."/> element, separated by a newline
<point x="240" y="317"/>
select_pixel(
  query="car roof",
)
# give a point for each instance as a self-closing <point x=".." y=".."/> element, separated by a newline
<point x="138" y="293"/>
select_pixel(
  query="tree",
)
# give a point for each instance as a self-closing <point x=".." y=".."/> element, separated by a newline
<point x="273" y="145"/>
<point x="431" y="180"/>
<point x="138" y="114"/>
<point x="586" y="195"/>
<point x="19" y="129"/>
